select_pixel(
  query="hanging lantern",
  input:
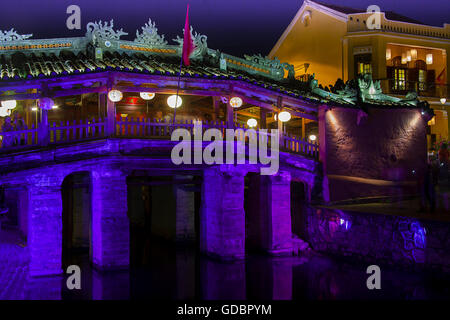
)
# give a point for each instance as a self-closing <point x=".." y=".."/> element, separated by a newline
<point x="443" y="100"/>
<point x="414" y="54"/>
<point x="388" y="54"/>
<point x="235" y="102"/>
<point x="429" y="58"/>
<point x="173" y="102"/>
<point x="9" y="104"/>
<point x="408" y="55"/>
<point x="404" y="58"/>
<point x="284" y="116"/>
<point x="252" y="123"/>
<point x="312" y="137"/>
<point x="147" y="95"/>
<point x="115" y="95"/>
<point x="5" y="112"/>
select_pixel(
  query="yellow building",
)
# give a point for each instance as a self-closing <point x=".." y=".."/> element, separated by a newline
<point x="337" y="42"/>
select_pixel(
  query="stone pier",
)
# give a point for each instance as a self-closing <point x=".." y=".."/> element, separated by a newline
<point x="45" y="227"/>
<point x="110" y="223"/>
<point x="269" y="214"/>
<point x="222" y="214"/>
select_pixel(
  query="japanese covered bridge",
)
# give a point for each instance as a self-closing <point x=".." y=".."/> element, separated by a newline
<point x="95" y="114"/>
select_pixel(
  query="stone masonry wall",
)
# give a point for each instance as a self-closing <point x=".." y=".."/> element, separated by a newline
<point x="380" y="239"/>
<point x="382" y="144"/>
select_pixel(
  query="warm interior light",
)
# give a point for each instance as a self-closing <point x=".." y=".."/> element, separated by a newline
<point x="414" y="54"/>
<point x="404" y="59"/>
<point x="147" y="95"/>
<point x="235" y="102"/>
<point x="443" y="100"/>
<point x="388" y="54"/>
<point x="408" y="55"/>
<point x="34" y="109"/>
<point x="55" y="107"/>
<point x="252" y="123"/>
<point x="429" y="58"/>
<point x="115" y="95"/>
<point x="284" y="116"/>
<point x="9" y="104"/>
<point x="173" y="102"/>
<point x="312" y="137"/>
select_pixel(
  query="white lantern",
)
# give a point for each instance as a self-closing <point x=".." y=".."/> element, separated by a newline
<point x="9" y="104"/>
<point x="414" y="54"/>
<point x="147" y="95"/>
<point x="173" y="102"/>
<point x="443" y="100"/>
<point x="404" y="58"/>
<point x="115" y="95"/>
<point x="388" y="54"/>
<point x="4" y="112"/>
<point x="312" y="137"/>
<point x="408" y="55"/>
<point x="252" y="123"/>
<point x="235" y="102"/>
<point x="284" y="116"/>
<point x="429" y="58"/>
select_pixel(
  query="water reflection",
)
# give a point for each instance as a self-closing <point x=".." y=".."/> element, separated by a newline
<point x="181" y="273"/>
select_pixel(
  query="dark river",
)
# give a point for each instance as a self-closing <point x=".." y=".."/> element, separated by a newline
<point x="181" y="273"/>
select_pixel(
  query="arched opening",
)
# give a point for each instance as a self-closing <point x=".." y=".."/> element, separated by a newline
<point x="164" y="213"/>
<point x="76" y="216"/>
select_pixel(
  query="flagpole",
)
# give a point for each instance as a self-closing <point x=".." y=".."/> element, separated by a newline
<point x="178" y="89"/>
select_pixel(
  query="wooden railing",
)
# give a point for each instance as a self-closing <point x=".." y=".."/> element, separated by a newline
<point x="76" y="131"/>
<point x="299" y="145"/>
<point x="19" y="138"/>
<point x="83" y="130"/>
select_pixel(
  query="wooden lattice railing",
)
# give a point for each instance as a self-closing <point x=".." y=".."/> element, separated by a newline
<point x="83" y="130"/>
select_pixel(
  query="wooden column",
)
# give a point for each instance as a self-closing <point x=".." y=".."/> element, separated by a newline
<point x="280" y="124"/>
<point x="262" y="118"/>
<point x="216" y="106"/>
<point x="303" y="128"/>
<point x="43" y="127"/>
<point x="101" y="105"/>
<point x="110" y="118"/>
<point x="230" y="114"/>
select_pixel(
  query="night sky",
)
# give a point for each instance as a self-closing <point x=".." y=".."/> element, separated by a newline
<point x="233" y="26"/>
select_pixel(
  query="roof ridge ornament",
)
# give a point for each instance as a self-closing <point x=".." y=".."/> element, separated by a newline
<point x="12" y="35"/>
<point x="200" y="42"/>
<point x="274" y="63"/>
<point x="149" y="35"/>
<point x="103" y="30"/>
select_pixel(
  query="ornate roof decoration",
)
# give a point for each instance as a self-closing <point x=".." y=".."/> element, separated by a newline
<point x="274" y="63"/>
<point x="363" y="90"/>
<point x="200" y="42"/>
<point x="149" y="35"/>
<point x="12" y="35"/>
<point x="103" y="30"/>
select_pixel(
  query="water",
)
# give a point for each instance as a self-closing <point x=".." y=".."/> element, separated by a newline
<point x="182" y="274"/>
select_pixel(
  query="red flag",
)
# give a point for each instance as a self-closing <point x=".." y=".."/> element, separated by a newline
<point x="188" y="44"/>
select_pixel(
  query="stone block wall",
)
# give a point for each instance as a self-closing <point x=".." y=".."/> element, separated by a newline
<point x="380" y="239"/>
<point x="378" y="153"/>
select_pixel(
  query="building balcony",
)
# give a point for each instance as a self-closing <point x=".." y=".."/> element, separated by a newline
<point x="423" y="89"/>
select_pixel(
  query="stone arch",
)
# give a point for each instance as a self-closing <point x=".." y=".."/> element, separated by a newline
<point x="76" y="193"/>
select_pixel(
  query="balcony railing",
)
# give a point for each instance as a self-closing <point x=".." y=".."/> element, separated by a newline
<point x="423" y="89"/>
<point x="85" y="130"/>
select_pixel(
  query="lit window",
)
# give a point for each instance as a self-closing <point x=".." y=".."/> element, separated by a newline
<point x="399" y="79"/>
<point x="364" y="67"/>
<point x="422" y="80"/>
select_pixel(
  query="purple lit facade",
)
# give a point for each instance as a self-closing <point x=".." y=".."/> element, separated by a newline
<point x="120" y="166"/>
